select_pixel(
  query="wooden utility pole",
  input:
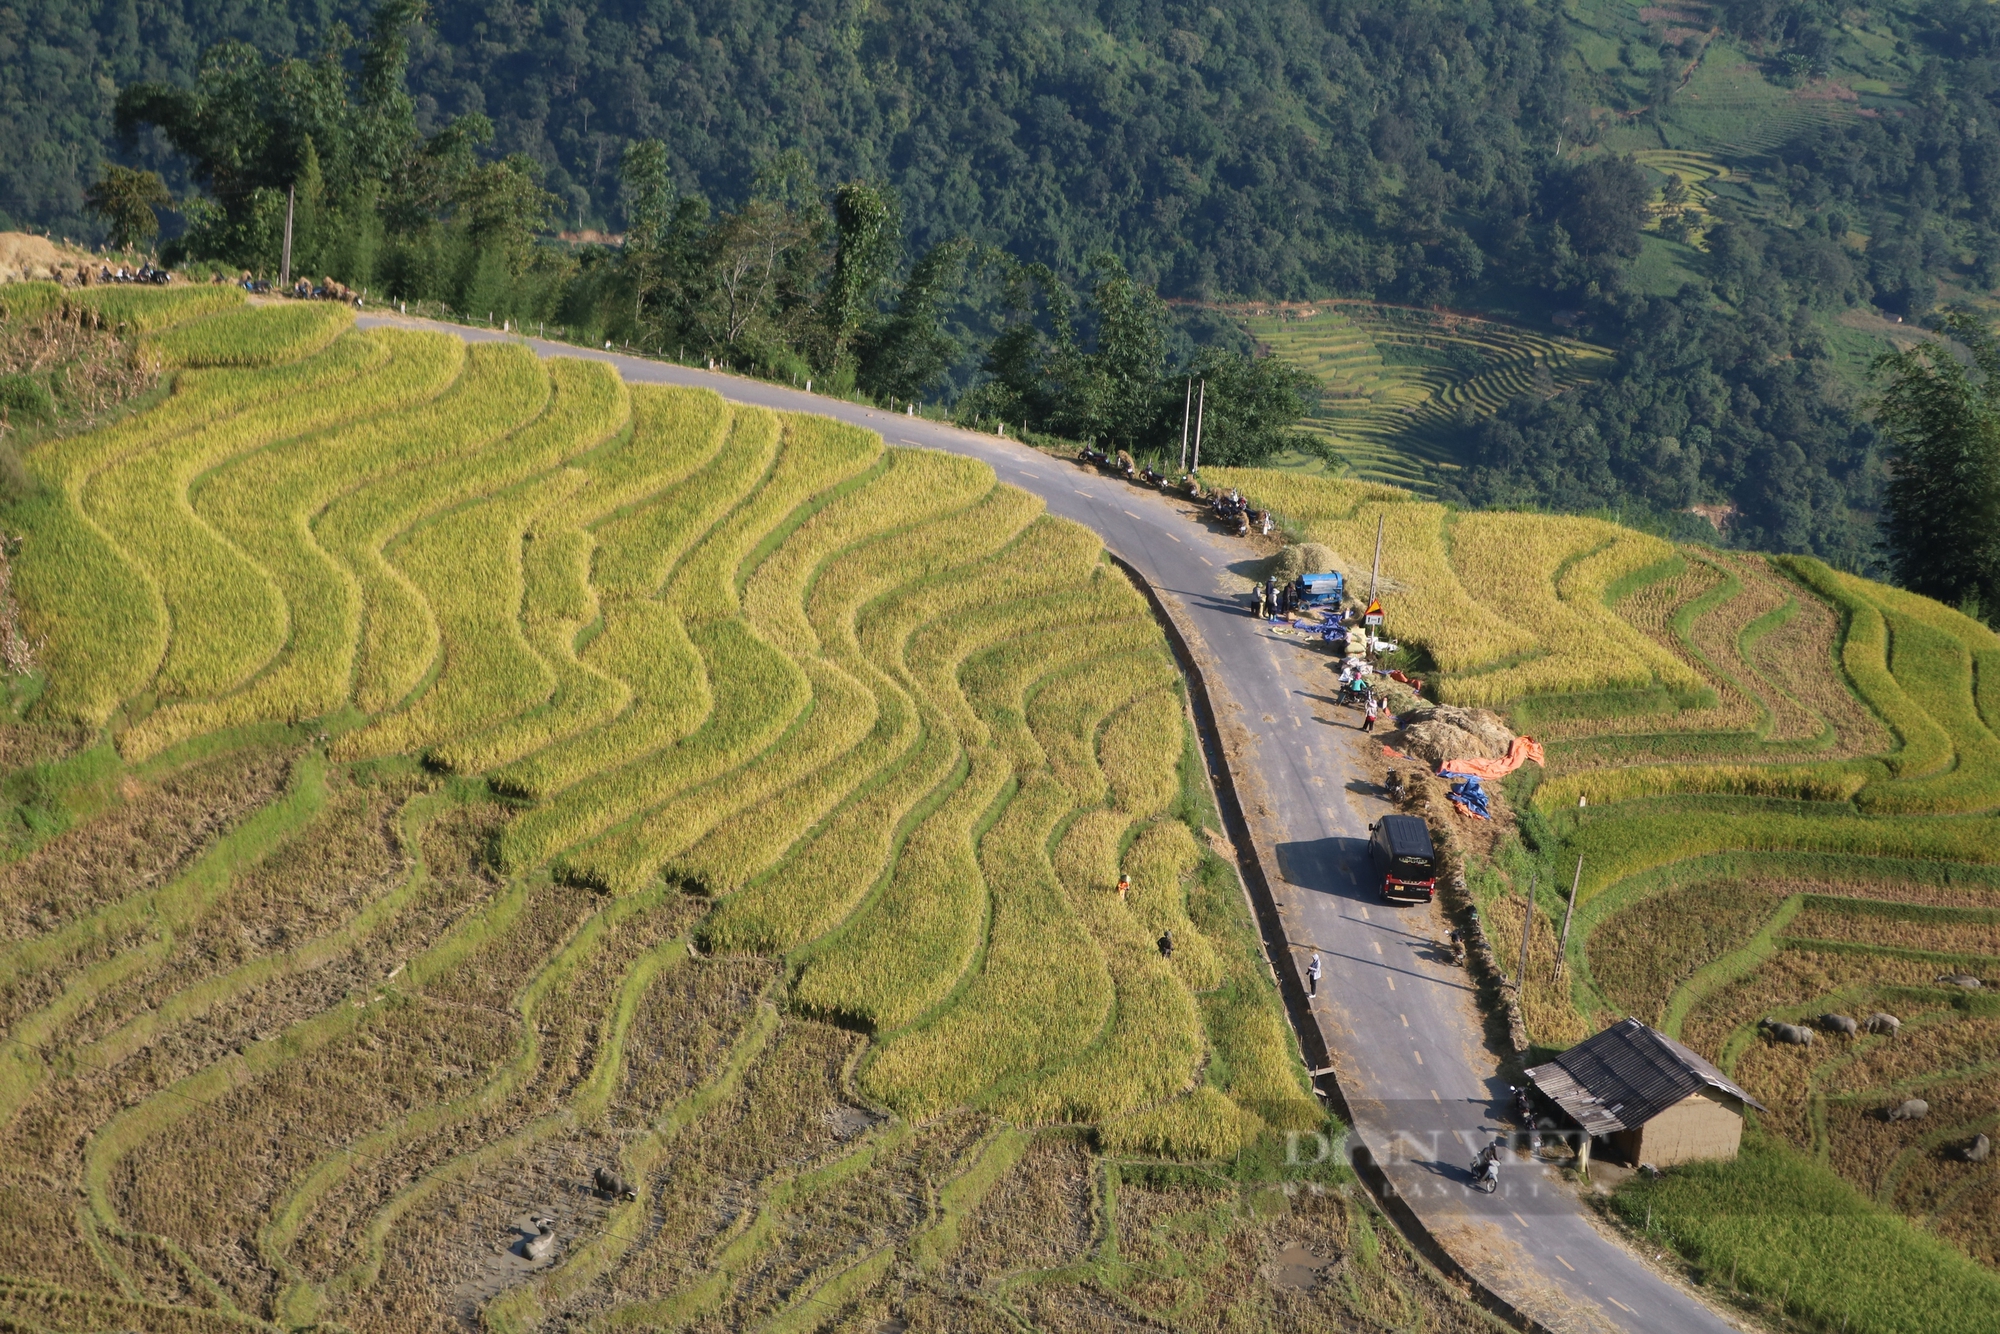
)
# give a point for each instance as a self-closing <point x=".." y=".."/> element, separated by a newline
<point x="1187" y="411"/>
<point x="1527" y="929"/>
<point x="1562" y="946"/>
<point x="1201" y="402"/>
<point x="285" y="272"/>
<point x="1375" y="574"/>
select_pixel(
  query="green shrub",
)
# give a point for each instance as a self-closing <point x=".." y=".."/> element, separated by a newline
<point x="26" y="398"/>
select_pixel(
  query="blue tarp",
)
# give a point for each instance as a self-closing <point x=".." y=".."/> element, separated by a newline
<point x="1469" y="796"/>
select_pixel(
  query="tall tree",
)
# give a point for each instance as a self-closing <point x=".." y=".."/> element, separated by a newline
<point x="866" y="247"/>
<point x="125" y="200"/>
<point x="909" y="354"/>
<point x="1941" y="510"/>
<point x="1252" y="407"/>
<point x="1130" y="357"/>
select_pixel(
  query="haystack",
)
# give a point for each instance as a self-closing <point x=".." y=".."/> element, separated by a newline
<point x="1303" y="558"/>
<point x="25" y="258"/>
<point x="1450" y="733"/>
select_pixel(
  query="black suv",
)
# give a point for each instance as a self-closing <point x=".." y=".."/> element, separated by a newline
<point x="1403" y="856"/>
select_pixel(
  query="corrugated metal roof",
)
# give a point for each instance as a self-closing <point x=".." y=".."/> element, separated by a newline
<point x="1626" y="1076"/>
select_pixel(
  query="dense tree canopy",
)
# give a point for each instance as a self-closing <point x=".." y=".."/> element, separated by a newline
<point x="1278" y="147"/>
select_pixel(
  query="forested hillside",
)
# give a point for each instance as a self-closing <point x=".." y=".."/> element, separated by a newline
<point x="1233" y="148"/>
<point x="1744" y="201"/>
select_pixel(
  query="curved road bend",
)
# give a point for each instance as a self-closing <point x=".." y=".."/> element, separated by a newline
<point x="1402" y="1024"/>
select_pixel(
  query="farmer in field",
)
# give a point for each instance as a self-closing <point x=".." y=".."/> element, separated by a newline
<point x="1124" y="886"/>
<point x="1167" y="945"/>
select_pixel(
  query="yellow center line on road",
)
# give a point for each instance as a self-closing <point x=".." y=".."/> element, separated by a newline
<point x="1620" y="1305"/>
<point x="1419" y="1055"/>
<point x="1364" y="913"/>
<point x="1518" y="1219"/>
<point x="1435" y="1097"/>
<point x="1392" y="980"/>
<point x="1567" y="1265"/>
<point x="1175" y="538"/>
<point x="1206" y="561"/>
<point x="1405" y="1018"/>
<point x="1377" y="944"/>
<point x="1085" y="494"/>
<point x="1133" y="515"/>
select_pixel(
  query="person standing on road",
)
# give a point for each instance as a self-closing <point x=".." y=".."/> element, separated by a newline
<point x="1260" y="602"/>
<point x="1368" y="725"/>
<point x="1312" y="975"/>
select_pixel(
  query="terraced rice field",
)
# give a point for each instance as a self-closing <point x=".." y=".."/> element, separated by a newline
<point x="1791" y="950"/>
<point x="1402" y="386"/>
<point x="1701" y="173"/>
<point x="452" y="774"/>
<point x="1781" y="781"/>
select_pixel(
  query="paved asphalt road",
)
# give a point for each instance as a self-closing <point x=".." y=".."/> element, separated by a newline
<point x="1400" y="1021"/>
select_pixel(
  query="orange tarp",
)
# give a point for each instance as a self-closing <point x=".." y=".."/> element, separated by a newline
<point x="1518" y="754"/>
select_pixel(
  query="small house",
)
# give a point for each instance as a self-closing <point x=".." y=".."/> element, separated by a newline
<point x="1646" y="1097"/>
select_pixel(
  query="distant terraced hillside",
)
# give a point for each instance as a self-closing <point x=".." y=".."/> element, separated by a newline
<point x="1403" y="385"/>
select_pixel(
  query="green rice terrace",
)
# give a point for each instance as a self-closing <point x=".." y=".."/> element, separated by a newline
<point x="491" y="848"/>
<point x="1782" y="782"/>
<point x="1402" y="385"/>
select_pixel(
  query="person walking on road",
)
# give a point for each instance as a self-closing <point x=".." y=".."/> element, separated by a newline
<point x="1312" y="975"/>
<point x="1368" y="724"/>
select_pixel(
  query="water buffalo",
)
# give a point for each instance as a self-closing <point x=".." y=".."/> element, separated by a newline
<point x="1788" y="1033"/>
<point x="1977" y="1150"/>
<point x="1912" y="1109"/>
<point x="1882" y="1023"/>
<point x="1966" y="980"/>
<point x="614" y="1187"/>
<point x="544" y="1240"/>
<point x="1839" y="1023"/>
